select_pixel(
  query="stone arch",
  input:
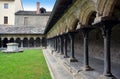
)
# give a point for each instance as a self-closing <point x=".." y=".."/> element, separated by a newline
<point x="38" y="42"/>
<point x="71" y="23"/>
<point x="11" y="40"/>
<point x="31" y="42"/>
<point x="25" y="42"/>
<point x="91" y="17"/>
<point x="116" y="11"/>
<point x="105" y="7"/>
<point x="5" y="41"/>
<point x="18" y="40"/>
<point x="86" y="12"/>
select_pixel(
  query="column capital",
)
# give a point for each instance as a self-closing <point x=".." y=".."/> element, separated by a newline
<point x="106" y="30"/>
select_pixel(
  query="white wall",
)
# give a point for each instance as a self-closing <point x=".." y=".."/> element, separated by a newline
<point x="13" y="6"/>
<point x="7" y="12"/>
<point x="18" y="5"/>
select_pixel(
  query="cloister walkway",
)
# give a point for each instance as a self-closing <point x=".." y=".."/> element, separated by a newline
<point x="56" y="69"/>
<point x="75" y="68"/>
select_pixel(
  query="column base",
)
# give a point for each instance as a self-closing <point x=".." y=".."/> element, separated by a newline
<point x="66" y="56"/>
<point x="107" y="77"/>
<point x="87" y="68"/>
<point x="73" y="60"/>
<point x="52" y="51"/>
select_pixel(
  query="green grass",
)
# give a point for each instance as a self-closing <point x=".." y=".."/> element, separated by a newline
<point x="30" y="64"/>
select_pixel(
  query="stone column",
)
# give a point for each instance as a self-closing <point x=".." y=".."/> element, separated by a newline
<point x="41" y="42"/>
<point x="61" y="45"/>
<point x="58" y="44"/>
<point x="8" y="40"/>
<point x="106" y="30"/>
<point x="47" y="42"/>
<point x="55" y="43"/>
<point x="21" y="44"/>
<point x="52" y="44"/>
<point x="85" y="32"/>
<point x="65" y="46"/>
<point x="34" y="44"/>
<point x="72" y="59"/>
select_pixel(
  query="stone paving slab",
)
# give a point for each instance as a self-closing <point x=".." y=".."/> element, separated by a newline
<point x="57" y="71"/>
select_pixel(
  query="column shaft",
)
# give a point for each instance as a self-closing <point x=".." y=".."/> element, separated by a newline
<point x="86" y="66"/>
<point x="61" y="45"/>
<point x="65" y="47"/>
<point x="72" y="59"/>
<point x="107" y="56"/>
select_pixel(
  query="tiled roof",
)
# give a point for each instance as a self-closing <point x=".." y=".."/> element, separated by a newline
<point x="21" y="30"/>
<point x="31" y="13"/>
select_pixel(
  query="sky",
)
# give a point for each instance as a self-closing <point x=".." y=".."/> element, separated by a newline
<point x="31" y="4"/>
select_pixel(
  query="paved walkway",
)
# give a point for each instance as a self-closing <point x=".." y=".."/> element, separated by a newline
<point x="56" y="69"/>
<point x="64" y="67"/>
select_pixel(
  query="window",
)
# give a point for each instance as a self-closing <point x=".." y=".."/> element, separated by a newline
<point x="6" y="6"/>
<point x="5" y="20"/>
<point x="25" y="20"/>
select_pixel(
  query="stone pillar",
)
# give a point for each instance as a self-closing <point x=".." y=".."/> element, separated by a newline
<point x="8" y="40"/>
<point x="72" y="59"/>
<point x="65" y="46"/>
<point x="21" y="44"/>
<point x="58" y="44"/>
<point x="61" y="45"/>
<point x="34" y="44"/>
<point x="85" y="32"/>
<point x="106" y="30"/>
<point x="47" y="42"/>
<point x="55" y="43"/>
<point x="41" y="42"/>
<point x="51" y="44"/>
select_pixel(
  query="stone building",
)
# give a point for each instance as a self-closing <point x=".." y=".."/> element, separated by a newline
<point x="28" y="28"/>
<point x="36" y="18"/>
<point x="8" y="9"/>
<point x="86" y="34"/>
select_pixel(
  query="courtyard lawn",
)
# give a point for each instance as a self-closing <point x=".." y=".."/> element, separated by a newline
<point x="30" y="64"/>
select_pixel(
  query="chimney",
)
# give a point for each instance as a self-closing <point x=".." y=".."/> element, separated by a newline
<point x="38" y="8"/>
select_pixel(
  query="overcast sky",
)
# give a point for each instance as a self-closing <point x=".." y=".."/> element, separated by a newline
<point x="31" y="4"/>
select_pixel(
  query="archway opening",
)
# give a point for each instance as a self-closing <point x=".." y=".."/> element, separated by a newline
<point x="5" y="41"/>
<point x="116" y="11"/>
<point x="37" y="42"/>
<point x="92" y="18"/>
<point x="11" y="40"/>
<point x="25" y="42"/>
<point x="18" y="41"/>
<point x="31" y="42"/>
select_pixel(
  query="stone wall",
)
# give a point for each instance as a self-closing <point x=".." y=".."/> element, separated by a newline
<point x="32" y="20"/>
